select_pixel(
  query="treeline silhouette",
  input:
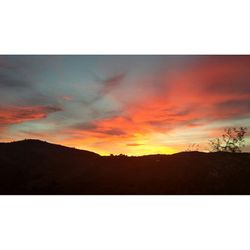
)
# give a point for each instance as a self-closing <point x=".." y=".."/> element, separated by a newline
<point x="37" y="167"/>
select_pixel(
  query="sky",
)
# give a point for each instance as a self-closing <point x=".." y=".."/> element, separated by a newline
<point x="127" y="104"/>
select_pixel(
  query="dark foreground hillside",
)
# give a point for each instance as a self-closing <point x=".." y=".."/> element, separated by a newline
<point x="36" y="167"/>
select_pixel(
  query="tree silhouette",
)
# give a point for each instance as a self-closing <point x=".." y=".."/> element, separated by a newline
<point x="192" y="147"/>
<point x="231" y="141"/>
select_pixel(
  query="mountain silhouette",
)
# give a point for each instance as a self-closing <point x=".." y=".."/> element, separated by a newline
<point x="38" y="167"/>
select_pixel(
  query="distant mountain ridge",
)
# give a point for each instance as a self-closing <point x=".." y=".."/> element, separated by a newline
<point x="38" y="167"/>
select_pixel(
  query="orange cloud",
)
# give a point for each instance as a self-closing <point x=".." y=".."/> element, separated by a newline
<point x="10" y="115"/>
<point x="206" y="91"/>
<point x="159" y="112"/>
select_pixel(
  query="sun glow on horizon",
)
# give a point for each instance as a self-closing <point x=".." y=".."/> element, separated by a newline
<point x="133" y="105"/>
<point x="136" y="151"/>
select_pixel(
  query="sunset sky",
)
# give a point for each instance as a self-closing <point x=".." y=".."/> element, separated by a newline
<point x="133" y="105"/>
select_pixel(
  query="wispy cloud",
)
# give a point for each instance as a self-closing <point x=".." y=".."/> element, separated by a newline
<point x="135" y="109"/>
<point x="134" y="144"/>
<point x="198" y="95"/>
<point x="10" y="115"/>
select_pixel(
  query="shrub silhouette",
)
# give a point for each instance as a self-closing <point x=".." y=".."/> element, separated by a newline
<point x="231" y="141"/>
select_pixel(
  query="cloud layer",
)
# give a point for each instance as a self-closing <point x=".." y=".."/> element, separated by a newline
<point x="158" y="106"/>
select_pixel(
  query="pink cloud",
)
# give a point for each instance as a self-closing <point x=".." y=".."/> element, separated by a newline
<point x="210" y="90"/>
<point x="10" y="115"/>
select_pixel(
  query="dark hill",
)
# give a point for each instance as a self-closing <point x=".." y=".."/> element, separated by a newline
<point x="37" y="167"/>
<point x="38" y="146"/>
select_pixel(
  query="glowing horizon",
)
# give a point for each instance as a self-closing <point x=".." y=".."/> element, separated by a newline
<point x="133" y="105"/>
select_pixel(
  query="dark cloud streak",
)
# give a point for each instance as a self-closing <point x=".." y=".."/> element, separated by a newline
<point x="9" y="82"/>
